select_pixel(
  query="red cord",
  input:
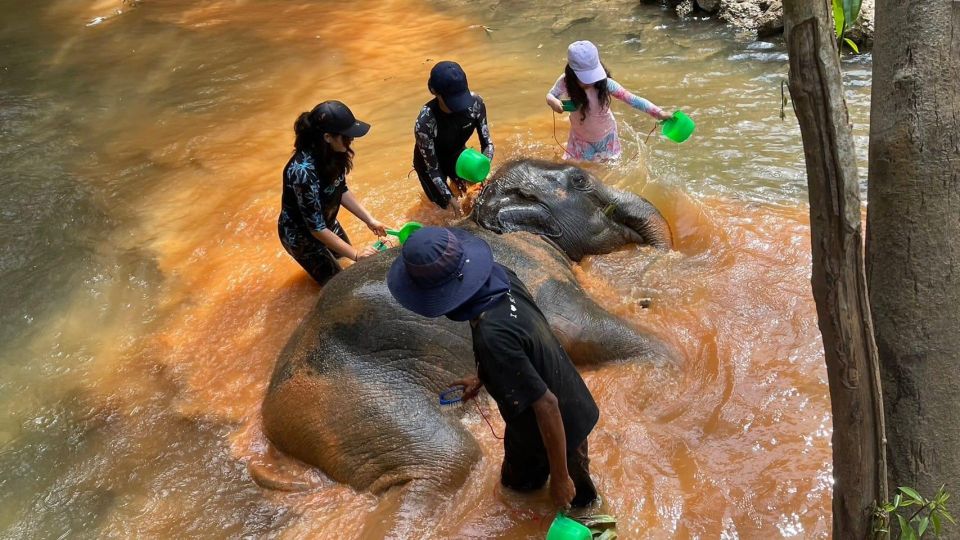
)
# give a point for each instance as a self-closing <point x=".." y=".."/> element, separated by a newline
<point x="487" y="420"/>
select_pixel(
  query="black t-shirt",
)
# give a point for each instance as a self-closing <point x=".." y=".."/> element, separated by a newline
<point x="519" y="358"/>
<point x="310" y="201"/>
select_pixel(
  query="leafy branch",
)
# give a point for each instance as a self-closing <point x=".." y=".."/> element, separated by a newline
<point x="929" y="512"/>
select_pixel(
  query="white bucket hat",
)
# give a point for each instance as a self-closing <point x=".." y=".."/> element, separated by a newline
<point x="584" y="59"/>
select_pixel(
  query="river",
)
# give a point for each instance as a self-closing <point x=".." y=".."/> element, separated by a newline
<point x="144" y="295"/>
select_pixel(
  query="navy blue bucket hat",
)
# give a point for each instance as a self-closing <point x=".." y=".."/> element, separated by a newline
<point x="438" y="270"/>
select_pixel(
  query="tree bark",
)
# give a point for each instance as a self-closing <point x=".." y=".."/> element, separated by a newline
<point x="913" y="237"/>
<point x="839" y="280"/>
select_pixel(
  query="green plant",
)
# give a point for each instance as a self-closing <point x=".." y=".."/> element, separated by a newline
<point x="845" y="13"/>
<point x="929" y="512"/>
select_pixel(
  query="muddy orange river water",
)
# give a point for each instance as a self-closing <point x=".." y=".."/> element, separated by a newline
<point x="145" y="295"/>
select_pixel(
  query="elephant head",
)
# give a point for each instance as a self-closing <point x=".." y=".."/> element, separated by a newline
<point x="570" y="207"/>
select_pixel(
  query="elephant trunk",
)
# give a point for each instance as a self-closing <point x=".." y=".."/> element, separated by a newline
<point x="640" y="217"/>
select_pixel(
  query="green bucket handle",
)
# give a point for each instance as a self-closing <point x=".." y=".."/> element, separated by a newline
<point x="402" y="234"/>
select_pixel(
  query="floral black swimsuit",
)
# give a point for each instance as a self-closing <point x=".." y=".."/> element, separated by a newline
<point x="310" y="203"/>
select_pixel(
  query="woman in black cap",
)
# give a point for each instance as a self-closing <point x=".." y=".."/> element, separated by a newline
<point x="314" y="187"/>
<point x="442" y="130"/>
<point x="548" y="409"/>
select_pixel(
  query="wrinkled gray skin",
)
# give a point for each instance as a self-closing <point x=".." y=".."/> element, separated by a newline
<point x="354" y="391"/>
<point x="570" y="207"/>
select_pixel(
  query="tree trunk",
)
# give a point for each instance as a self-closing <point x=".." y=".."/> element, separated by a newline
<point x="839" y="281"/>
<point x="913" y="237"/>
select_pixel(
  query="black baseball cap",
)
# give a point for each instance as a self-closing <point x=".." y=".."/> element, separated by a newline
<point x="448" y="79"/>
<point x="335" y="117"/>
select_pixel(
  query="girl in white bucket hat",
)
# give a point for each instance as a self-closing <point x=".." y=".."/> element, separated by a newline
<point x="587" y="84"/>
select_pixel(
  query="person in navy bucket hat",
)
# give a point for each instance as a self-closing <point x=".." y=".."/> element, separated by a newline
<point x="438" y="270"/>
<point x="544" y="402"/>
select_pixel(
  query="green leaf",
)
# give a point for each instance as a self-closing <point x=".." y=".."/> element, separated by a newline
<point x="905" y="529"/>
<point x="945" y="514"/>
<point x="851" y="10"/>
<point x="852" y="45"/>
<point x="936" y="523"/>
<point x="909" y="492"/>
<point x="608" y="534"/>
<point x="838" y="17"/>
<point x="896" y="500"/>
<point x="922" y="526"/>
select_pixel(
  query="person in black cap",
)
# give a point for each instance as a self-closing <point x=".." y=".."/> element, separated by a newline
<point x="314" y="187"/>
<point x="442" y="130"/>
<point x="547" y="407"/>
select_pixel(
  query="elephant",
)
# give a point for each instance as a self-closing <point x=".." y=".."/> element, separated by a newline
<point x="355" y="389"/>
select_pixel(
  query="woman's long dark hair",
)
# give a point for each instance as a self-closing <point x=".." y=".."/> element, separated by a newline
<point x="309" y="138"/>
<point x="579" y="96"/>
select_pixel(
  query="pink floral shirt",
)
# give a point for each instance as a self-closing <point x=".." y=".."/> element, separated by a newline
<point x="599" y="123"/>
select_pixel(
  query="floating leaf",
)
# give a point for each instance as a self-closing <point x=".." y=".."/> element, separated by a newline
<point x="598" y="521"/>
<point x="608" y="534"/>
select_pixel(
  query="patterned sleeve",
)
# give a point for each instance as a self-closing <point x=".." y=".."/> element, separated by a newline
<point x="483" y="130"/>
<point x="306" y="186"/>
<point x="559" y="88"/>
<point x="636" y="102"/>
<point x="425" y="131"/>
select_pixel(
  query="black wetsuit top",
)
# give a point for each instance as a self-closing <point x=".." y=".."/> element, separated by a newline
<point x="440" y="137"/>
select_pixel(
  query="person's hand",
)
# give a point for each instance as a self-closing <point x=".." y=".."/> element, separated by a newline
<point x="556" y="106"/>
<point x="471" y="387"/>
<point x="664" y="115"/>
<point x="455" y="205"/>
<point x="377" y="227"/>
<point x="366" y="252"/>
<point x="562" y="489"/>
<point x="390" y="241"/>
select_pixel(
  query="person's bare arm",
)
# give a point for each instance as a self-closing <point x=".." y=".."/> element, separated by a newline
<point x="550" y="421"/>
<point x="338" y="246"/>
<point x="351" y="203"/>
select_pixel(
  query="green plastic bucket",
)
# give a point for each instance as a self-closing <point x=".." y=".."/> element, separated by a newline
<point x="564" y="528"/>
<point x="408" y="228"/>
<point x="679" y="128"/>
<point x="402" y="234"/>
<point x="569" y="105"/>
<point x="473" y="166"/>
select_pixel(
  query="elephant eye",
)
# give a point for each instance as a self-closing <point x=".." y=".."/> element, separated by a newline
<point x="580" y="181"/>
